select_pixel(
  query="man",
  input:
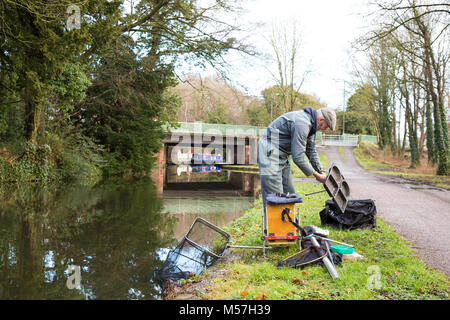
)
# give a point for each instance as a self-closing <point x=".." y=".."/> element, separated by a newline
<point x="293" y="133"/>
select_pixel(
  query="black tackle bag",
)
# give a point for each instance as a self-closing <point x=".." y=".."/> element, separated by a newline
<point x="358" y="214"/>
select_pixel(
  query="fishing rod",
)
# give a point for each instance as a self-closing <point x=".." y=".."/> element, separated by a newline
<point x="334" y="241"/>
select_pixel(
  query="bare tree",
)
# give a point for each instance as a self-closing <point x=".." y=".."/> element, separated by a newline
<point x="419" y="33"/>
<point x="202" y="97"/>
<point x="286" y="43"/>
<point x="398" y="14"/>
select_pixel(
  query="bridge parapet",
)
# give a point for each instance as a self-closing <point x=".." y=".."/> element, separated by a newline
<point x="223" y="129"/>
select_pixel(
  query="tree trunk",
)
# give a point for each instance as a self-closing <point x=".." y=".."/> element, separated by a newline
<point x="441" y="138"/>
<point x="431" y="152"/>
<point x="32" y="111"/>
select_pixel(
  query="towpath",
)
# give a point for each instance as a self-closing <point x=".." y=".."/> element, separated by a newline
<point x="419" y="213"/>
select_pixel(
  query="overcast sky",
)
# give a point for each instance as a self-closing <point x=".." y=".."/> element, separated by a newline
<point x="328" y="28"/>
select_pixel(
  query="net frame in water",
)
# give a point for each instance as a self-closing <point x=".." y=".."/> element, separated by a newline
<point x="215" y="228"/>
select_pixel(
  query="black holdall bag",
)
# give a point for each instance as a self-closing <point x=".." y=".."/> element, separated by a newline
<point x="358" y="214"/>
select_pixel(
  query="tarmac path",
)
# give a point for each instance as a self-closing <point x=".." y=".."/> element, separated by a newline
<point x="419" y="213"/>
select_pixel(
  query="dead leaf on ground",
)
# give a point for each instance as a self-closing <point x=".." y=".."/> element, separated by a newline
<point x="261" y="296"/>
<point x="244" y="292"/>
<point x="298" y="281"/>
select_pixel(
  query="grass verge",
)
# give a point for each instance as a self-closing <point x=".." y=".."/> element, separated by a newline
<point x="363" y="155"/>
<point x="299" y="174"/>
<point x="342" y="152"/>
<point x="388" y="269"/>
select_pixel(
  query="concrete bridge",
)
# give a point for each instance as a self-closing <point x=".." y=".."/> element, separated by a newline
<point x="237" y="144"/>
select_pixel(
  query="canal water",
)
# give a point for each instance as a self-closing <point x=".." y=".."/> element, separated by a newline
<point x="101" y="241"/>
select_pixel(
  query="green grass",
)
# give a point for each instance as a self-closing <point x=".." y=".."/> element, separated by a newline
<point x="366" y="161"/>
<point x="362" y="155"/>
<point x="241" y="168"/>
<point x="430" y="179"/>
<point x="247" y="166"/>
<point x="299" y="174"/>
<point x="341" y="152"/>
<point x="386" y="256"/>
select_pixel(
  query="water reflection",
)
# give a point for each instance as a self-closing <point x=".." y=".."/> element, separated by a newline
<point x="204" y="191"/>
<point x="97" y="242"/>
<point x="217" y="209"/>
<point x="113" y="232"/>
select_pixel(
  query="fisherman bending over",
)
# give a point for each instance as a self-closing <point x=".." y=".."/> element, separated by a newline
<point x="292" y="133"/>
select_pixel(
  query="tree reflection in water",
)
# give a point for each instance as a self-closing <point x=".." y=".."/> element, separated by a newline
<point x="113" y="231"/>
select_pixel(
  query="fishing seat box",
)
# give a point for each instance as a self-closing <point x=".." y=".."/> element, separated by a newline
<point x="276" y="231"/>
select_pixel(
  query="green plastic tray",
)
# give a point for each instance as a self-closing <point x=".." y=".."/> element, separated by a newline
<point x="342" y="249"/>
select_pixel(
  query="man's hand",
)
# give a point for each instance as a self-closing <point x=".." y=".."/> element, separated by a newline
<point x="320" y="177"/>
